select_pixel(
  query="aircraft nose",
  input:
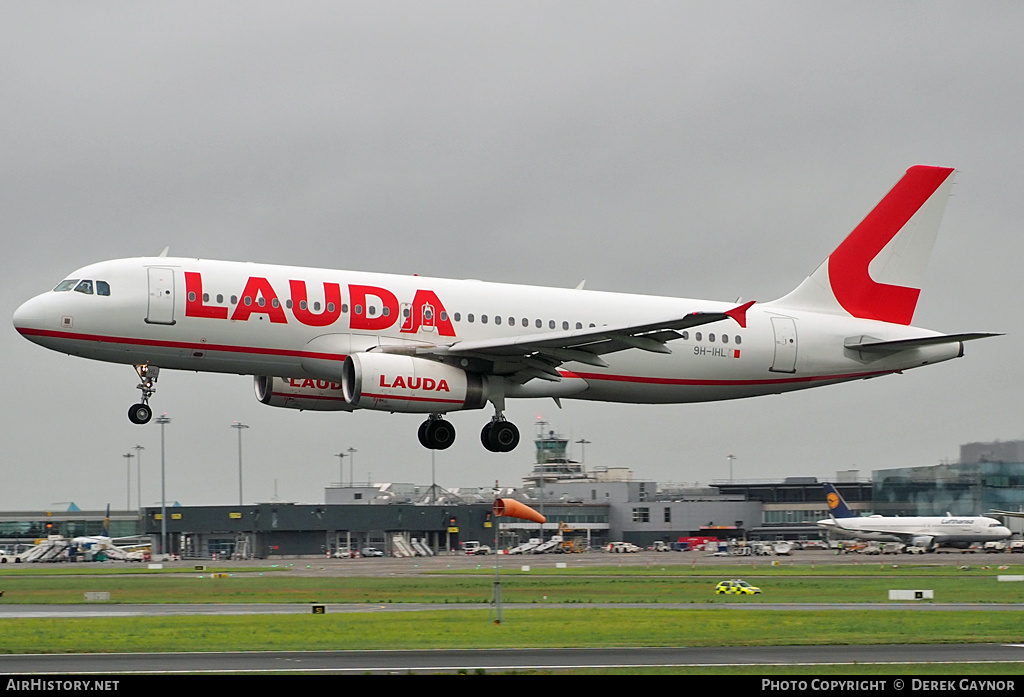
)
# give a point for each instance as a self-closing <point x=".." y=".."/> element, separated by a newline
<point x="31" y="315"/>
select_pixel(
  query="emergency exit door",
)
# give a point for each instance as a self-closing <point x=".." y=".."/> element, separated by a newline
<point x="785" y="345"/>
<point x="161" y="296"/>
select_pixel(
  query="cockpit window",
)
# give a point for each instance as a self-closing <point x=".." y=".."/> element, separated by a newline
<point x="84" y="286"/>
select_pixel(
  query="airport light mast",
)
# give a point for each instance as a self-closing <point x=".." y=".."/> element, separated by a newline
<point x="163" y="420"/>
<point x="351" y="466"/>
<point x="341" y="468"/>
<point x="239" y="426"/>
<point x="138" y="475"/>
<point x="128" y="482"/>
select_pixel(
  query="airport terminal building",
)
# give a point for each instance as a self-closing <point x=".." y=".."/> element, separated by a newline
<point x="587" y="509"/>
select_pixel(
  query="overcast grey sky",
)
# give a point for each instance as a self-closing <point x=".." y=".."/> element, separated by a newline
<point x="707" y="150"/>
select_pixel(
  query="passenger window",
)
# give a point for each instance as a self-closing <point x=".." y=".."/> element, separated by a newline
<point x="696" y="336"/>
<point x="102" y="288"/>
<point x="739" y="339"/>
<point x="725" y="338"/>
<point x="84" y="287"/>
<point x="497" y="319"/>
<point x="538" y="324"/>
<point x="711" y="338"/>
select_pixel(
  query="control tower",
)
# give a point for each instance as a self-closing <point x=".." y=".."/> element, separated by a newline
<point x="553" y="463"/>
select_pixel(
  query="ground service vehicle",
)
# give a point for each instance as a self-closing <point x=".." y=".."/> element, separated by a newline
<point x="736" y="587"/>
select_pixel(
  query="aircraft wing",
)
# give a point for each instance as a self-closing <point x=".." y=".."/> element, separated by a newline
<point x="880" y="535"/>
<point x="538" y="355"/>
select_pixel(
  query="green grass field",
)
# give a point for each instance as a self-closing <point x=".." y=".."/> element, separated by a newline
<point x="583" y="627"/>
<point x="653" y="585"/>
<point x="452" y="627"/>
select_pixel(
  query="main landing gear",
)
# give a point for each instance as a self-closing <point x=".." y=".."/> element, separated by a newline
<point x="436" y="434"/>
<point x="141" y="413"/>
<point x="498" y="436"/>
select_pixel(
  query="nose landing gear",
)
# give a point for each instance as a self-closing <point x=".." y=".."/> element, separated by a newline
<point x="141" y="413"/>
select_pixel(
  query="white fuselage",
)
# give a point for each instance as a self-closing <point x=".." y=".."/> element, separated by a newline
<point x="256" y="319"/>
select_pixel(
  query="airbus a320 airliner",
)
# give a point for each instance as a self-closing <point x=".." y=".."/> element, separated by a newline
<point x="345" y="340"/>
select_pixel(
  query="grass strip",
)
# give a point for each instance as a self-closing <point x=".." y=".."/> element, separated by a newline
<point x="584" y="627"/>
<point x="279" y="588"/>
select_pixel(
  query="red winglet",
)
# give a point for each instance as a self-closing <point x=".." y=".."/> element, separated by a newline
<point x="740" y="313"/>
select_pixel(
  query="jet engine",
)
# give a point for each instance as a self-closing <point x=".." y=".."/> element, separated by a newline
<point x="923" y="541"/>
<point x="393" y="382"/>
<point x="300" y="393"/>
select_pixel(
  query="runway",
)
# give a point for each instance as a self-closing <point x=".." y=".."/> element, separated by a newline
<point x="445" y="661"/>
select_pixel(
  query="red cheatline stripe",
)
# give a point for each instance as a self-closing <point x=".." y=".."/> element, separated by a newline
<point x="192" y="346"/>
<point x="292" y="395"/>
<point x="727" y="383"/>
<point x="409" y="398"/>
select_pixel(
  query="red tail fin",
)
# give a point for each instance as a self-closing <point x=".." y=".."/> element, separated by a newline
<point x="878" y="270"/>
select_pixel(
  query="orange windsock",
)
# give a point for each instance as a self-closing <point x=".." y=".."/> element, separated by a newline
<point x="514" y="509"/>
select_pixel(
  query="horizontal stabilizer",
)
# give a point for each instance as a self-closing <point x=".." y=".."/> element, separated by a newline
<point x="870" y="345"/>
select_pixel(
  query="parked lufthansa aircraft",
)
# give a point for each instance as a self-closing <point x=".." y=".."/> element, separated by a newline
<point x="345" y="340"/>
<point x="927" y="532"/>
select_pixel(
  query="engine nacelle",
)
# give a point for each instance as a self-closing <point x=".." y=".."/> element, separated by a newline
<point x="393" y="382"/>
<point x="300" y="393"/>
<point x="923" y="541"/>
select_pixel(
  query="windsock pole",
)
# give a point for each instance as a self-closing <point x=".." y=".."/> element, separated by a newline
<point x="512" y="509"/>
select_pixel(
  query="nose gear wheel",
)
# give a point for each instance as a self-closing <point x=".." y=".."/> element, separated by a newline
<point x="141" y="413"/>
